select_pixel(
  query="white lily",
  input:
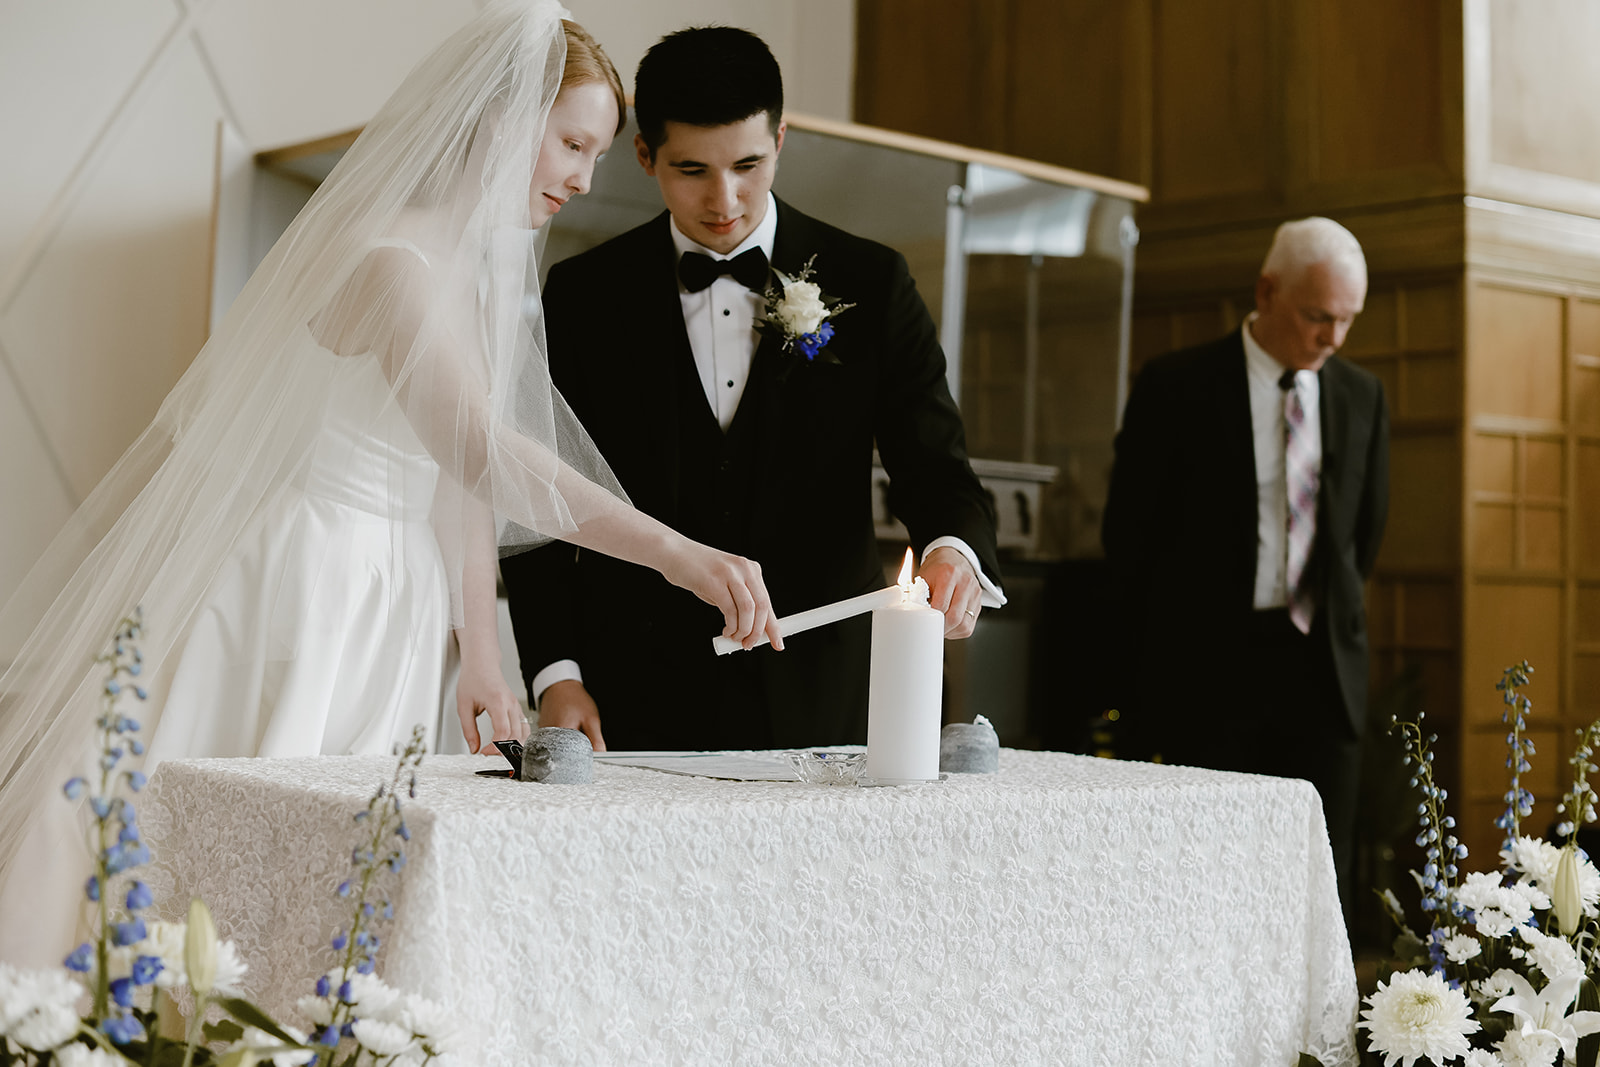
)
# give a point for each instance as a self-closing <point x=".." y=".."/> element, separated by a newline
<point x="1547" y="1010"/>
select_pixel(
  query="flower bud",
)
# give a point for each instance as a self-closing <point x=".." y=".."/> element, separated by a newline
<point x="200" y="948"/>
<point x="1565" y="898"/>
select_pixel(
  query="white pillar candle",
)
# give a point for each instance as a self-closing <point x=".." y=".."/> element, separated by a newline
<point x="903" y="710"/>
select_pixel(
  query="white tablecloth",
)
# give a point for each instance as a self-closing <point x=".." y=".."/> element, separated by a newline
<point x="1065" y="911"/>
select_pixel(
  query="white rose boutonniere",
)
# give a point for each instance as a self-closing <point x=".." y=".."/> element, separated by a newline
<point x="799" y="313"/>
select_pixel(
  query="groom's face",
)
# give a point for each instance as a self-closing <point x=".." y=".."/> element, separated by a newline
<point x="715" y="179"/>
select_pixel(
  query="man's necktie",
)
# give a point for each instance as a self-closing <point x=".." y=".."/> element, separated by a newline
<point x="1300" y="478"/>
<point x="749" y="268"/>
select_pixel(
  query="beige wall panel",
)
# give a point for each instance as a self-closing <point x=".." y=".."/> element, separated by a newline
<point x="1213" y="99"/>
<point x="296" y="69"/>
<point x="1583" y="327"/>
<point x="1586" y="398"/>
<point x="115" y="310"/>
<point x="1543" y="538"/>
<point x="73" y="64"/>
<point x="38" y="503"/>
<point x="1424" y="502"/>
<point x="1515" y="353"/>
<point x="1432" y="615"/>
<point x="1585" y="687"/>
<point x="1493" y="463"/>
<point x="1386" y="371"/>
<point x="1544" y="465"/>
<point x="1587" y="501"/>
<point x="1199" y="325"/>
<point x="933" y="67"/>
<point x="1507" y="623"/>
<point x="1543" y="84"/>
<point x="1378" y="87"/>
<point x="1494" y="539"/>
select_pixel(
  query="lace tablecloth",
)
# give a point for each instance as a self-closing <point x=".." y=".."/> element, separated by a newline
<point x="1065" y="911"/>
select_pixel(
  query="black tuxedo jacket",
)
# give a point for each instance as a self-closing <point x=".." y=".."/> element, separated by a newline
<point x="1180" y="527"/>
<point x="789" y="485"/>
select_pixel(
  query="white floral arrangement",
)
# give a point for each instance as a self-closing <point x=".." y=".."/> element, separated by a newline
<point x="799" y="313"/>
<point x="1506" y="974"/>
<point x="145" y="981"/>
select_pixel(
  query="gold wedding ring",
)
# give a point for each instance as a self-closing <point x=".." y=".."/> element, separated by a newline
<point x="974" y="614"/>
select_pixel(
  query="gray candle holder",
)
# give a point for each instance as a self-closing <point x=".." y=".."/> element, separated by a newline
<point x="969" y="748"/>
<point x="556" y="755"/>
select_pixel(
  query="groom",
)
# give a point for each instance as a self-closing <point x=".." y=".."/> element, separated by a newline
<point x="717" y="430"/>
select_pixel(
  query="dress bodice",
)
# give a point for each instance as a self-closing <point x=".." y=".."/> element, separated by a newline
<point x="366" y="454"/>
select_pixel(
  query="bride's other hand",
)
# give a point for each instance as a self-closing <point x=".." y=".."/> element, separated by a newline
<point x="732" y="584"/>
<point x="567" y="703"/>
<point x="481" y="687"/>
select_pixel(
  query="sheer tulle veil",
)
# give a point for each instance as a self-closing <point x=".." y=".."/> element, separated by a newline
<point x="411" y="269"/>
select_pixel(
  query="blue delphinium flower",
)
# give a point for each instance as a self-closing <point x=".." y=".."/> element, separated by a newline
<point x="128" y="933"/>
<point x="146" y="969"/>
<point x="139" y="896"/>
<point x="122" y="991"/>
<point x="122" y="1029"/>
<point x="74" y="787"/>
<point x="81" y="959"/>
<point x="91" y="889"/>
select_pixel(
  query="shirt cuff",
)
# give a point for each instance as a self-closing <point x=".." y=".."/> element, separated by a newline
<point x="562" y="670"/>
<point x="992" y="596"/>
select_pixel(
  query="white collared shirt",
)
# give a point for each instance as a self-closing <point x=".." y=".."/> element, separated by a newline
<point x="1272" y="493"/>
<point x="721" y="320"/>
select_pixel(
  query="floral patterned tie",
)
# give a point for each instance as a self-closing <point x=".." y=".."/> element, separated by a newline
<point x="1301" y="476"/>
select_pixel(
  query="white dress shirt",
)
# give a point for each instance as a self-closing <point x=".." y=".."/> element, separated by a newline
<point x="1272" y="493"/>
<point x="721" y="323"/>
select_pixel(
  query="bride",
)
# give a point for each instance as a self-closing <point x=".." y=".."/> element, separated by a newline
<point x="316" y="506"/>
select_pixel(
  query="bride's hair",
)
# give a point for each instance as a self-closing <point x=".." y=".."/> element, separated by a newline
<point x="588" y="62"/>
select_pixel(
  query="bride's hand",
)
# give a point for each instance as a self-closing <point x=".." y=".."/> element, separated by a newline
<point x="730" y="583"/>
<point x="481" y="687"/>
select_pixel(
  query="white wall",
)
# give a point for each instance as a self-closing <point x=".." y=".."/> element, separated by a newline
<point x="108" y="116"/>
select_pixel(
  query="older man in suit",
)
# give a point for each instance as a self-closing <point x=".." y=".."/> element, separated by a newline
<point x="1247" y="503"/>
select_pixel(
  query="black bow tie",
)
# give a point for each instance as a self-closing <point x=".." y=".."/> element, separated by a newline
<point x="749" y="269"/>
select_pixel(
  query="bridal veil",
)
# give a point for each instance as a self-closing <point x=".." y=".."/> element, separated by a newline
<point x="413" y="265"/>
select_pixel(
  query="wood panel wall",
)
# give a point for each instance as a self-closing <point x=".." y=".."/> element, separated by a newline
<point x="1460" y="141"/>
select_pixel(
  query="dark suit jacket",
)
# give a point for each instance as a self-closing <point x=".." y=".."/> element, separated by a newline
<point x="619" y="353"/>
<point x="1180" y="527"/>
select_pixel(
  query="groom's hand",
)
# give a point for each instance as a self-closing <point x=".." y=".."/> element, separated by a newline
<point x="953" y="589"/>
<point x="569" y="704"/>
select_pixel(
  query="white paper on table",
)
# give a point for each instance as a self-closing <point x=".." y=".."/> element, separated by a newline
<point x="733" y="767"/>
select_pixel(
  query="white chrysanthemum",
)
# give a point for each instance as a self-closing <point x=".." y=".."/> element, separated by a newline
<point x="1529" y="1048"/>
<point x="1492" y="922"/>
<point x="231" y="970"/>
<point x="372" y="999"/>
<point x="83" y="1056"/>
<point x="1589" y="887"/>
<point x="1461" y="948"/>
<point x="1554" y="956"/>
<point x="1418" y="1016"/>
<point x="318" y="1011"/>
<point x="1535" y="858"/>
<point x="380" y="1038"/>
<point x="1480" y="890"/>
<point x="38" y="1009"/>
<point x="1480" y="1057"/>
<point x="1537" y="898"/>
<point x="428" y="1020"/>
<point x="1497" y="984"/>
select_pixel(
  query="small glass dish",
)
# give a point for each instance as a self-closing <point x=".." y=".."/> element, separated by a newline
<point x="828" y="768"/>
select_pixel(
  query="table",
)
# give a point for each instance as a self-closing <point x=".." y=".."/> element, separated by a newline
<point x="1066" y="911"/>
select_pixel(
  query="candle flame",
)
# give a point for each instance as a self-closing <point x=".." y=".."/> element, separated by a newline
<point x="905" y="573"/>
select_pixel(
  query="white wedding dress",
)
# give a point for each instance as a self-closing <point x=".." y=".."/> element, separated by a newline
<point x="325" y="632"/>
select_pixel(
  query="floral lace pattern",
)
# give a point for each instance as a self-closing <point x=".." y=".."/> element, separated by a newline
<point x="1065" y="911"/>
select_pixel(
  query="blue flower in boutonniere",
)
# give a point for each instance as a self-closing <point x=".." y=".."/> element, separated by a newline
<point x="798" y="313"/>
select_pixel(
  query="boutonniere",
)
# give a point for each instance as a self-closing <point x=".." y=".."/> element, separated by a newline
<point x="798" y="312"/>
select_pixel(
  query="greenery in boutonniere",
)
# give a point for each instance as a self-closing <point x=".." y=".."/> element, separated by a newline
<point x="798" y="313"/>
<point x="138" y="969"/>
